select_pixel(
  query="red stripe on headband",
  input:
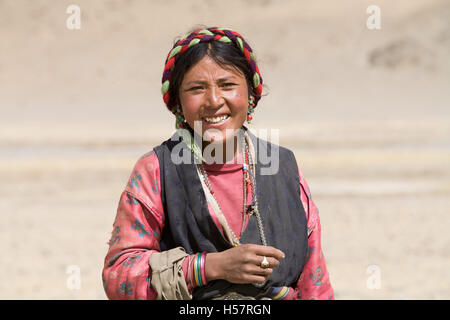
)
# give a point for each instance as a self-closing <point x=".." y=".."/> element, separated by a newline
<point x="258" y="89"/>
<point x="169" y="64"/>
<point x="166" y="97"/>
<point x="237" y="34"/>
<point x="183" y="49"/>
<point x="247" y="55"/>
<point x="217" y="30"/>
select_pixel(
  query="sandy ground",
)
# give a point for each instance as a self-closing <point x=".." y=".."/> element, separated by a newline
<point x="365" y="111"/>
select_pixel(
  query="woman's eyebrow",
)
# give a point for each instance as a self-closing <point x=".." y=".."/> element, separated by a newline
<point x="189" y="83"/>
<point x="223" y="79"/>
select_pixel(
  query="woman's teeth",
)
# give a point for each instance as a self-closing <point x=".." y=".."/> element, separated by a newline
<point x="217" y="119"/>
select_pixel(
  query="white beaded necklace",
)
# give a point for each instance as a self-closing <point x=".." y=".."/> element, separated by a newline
<point x="248" y="176"/>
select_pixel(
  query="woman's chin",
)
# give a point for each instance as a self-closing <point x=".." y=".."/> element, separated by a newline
<point x="220" y="137"/>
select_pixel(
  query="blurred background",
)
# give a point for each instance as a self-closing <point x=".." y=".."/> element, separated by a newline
<point x="367" y="113"/>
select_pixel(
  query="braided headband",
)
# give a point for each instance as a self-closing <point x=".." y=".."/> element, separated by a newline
<point x="209" y="35"/>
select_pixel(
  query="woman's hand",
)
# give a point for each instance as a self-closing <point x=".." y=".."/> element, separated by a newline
<point x="242" y="264"/>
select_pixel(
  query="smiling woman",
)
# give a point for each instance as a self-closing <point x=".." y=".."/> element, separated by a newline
<point x="200" y="46"/>
<point x="216" y="98"/>
<point x="212" y="83"/>
<point x="223" y="229"/>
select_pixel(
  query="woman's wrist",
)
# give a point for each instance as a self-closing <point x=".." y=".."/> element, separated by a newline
<point x="212" y="266"/>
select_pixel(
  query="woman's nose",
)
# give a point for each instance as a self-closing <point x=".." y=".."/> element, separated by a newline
<point x="215" y="98"/>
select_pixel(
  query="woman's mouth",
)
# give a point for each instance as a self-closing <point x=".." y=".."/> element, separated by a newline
<point x="216" y="120"/>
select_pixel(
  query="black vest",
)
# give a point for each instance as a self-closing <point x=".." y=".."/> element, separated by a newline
<point x="188" y="222"/>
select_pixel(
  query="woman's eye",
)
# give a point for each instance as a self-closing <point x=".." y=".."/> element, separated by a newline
<point x="228" y="84"/>
<point x="196" y="88"/>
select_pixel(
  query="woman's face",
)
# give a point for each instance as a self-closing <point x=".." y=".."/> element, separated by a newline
<point x="215" y="98"/>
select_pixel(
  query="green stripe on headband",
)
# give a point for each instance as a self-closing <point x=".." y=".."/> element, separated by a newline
<point x="241" y="45"/>
<point x="207" y="32"/>
<point x="165" y="86"/>
<point x="193" y="42"/>
<point x="256" y="80"/>
<point x="174" y="51"/>
<point x="225" y="39"/>
<point x="184" y="36"/>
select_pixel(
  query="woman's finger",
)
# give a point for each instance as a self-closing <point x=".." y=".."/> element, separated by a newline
<point x="266" y="251"/>
<point x="257" y="259"/>
<point x="273" y="263"/>
<point x="263" y="272"/>
<point x="255" y="279"/>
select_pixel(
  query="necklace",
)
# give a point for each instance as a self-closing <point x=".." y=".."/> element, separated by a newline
<point x="248" y="180"/>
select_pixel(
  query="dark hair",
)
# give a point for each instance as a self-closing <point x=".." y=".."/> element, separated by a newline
<point x="224" y="54"/>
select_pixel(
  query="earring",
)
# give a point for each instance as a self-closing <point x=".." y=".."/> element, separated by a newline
<point x="179" y="121"/>
<point x="251" y="107"/>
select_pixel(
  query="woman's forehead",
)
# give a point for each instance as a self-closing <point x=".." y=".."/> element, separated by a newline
<point x="208" y="68"/>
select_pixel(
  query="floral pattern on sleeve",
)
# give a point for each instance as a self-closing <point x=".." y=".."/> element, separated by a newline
<point x="136" y="234"/>
<point x="314" y="282"/>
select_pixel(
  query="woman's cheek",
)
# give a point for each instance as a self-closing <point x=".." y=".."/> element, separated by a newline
<point x="191" y="108"/>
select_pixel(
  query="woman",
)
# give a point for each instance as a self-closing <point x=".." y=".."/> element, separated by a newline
<point x="202" y="217"/>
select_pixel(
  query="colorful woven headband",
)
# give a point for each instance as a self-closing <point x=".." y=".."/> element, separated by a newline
<point x="208" y="35"/>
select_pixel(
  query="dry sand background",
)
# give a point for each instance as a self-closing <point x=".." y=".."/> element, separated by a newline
<point x="366" y="112"/>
